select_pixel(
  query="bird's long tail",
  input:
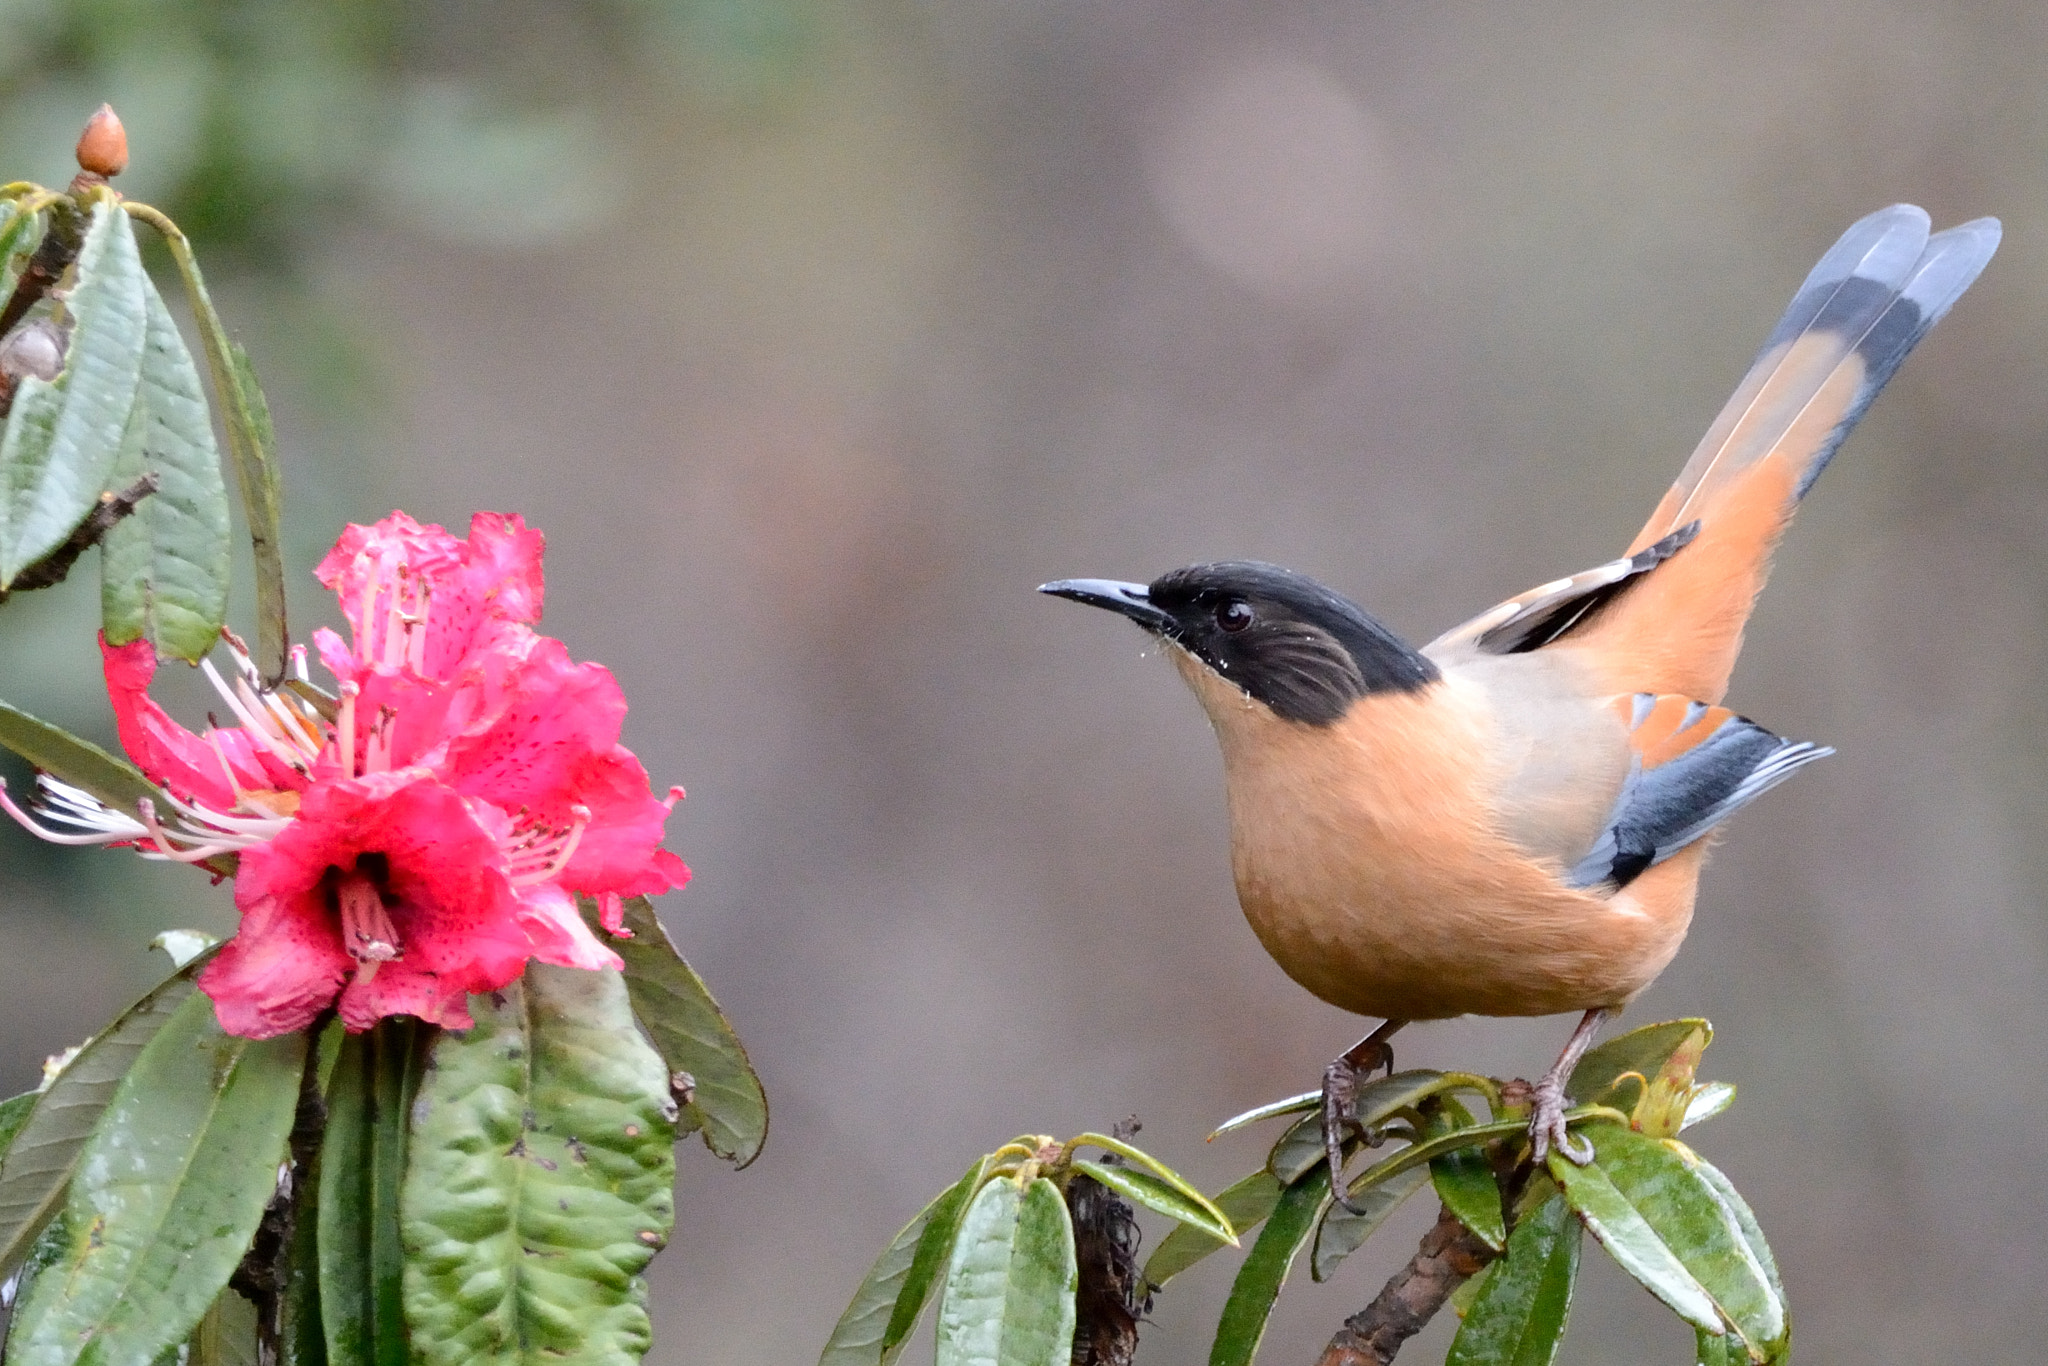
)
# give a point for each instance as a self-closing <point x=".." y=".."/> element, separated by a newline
<point x="1869" y="302"/>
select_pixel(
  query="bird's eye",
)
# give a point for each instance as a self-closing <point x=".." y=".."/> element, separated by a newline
<point x="1233" y="614"/>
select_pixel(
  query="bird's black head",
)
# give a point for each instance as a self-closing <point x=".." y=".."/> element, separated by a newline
<point x="1304" y="651"/>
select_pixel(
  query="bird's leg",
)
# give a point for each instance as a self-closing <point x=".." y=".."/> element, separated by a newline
<point x="1546" y="1125"/>
<point x="1340" y="1094"/>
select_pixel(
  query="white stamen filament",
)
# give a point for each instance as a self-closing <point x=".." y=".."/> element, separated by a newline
<point x="546" y="859"/>
<point x="196" y="854"/>
<point x="345" y="729"/>
<point x="249" y="719"/>
<point x="44" y="832"/>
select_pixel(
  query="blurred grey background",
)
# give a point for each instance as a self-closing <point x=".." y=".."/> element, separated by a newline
<point x="816" y="334"/>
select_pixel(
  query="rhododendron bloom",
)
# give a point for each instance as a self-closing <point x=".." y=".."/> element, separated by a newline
<point x="425" y="833"/>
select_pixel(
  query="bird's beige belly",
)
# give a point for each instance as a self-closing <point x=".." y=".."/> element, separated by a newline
<point x="1410" y="947"/>
<point x="1370" y="871"/>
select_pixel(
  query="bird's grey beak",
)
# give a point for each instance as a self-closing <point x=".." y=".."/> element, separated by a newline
<point x="1127" y="599"/>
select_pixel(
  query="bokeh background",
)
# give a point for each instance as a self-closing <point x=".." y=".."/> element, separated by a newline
<point x="816" y="334"/>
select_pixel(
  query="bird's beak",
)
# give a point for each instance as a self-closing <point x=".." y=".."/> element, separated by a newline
<point x="1127" y="599"/>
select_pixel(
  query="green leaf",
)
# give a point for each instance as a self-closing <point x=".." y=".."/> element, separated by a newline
<point x="20" y="234"/>
<point x="1707" y="1100"/>
<point x="362" y="1162"/>
<point x="1264" y="1270"/>
<point x="63" y="435"/>
<point x="934" y="1253"/>
<point x="1714" y="1349"/>
<point x="1661" y="1178"/>
<point x="165" y="567"/>
<point x="1148" y="1162"/>
<point x="226" y="1336"/>
<point x="1519" y="1315"/>
<point x="1009" y="1296"/>
<point x="39" y="1162"/>
<point x="1612" y="1218"/>
<point x="1246" y="1205"/>
<point x="1293" y="1105"/>
<point x="1161" y="1197"/>
<point x="1301" y="1147"/>
<point x="1598" y="1077"/>
<point x="1464" y="1179"/>
<point x="168" y="1193"/>
<point x="252" y="443"/>
<point x="540" y="1181"/>
<point x="1745" y="1219"/>
<point x="81" y="763"/>
<point x="858" y="1338"/>
<point x="1341" y="1232"/>
<point x="1429" y="1149"/>
<point x="693" y="1036"/>
<point x="14" y="1112"/>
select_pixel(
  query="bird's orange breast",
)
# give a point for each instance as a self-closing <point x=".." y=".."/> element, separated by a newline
<point x="1371" y="865"/>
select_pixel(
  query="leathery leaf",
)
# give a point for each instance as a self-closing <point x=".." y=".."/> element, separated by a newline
<point x="1264" y="1270"/>
<point x="362" y="1162"/>
<point x="1518" y="1316"/>
<point x="164" y="568"/>
<point x="1342" y="1231"/>
<point x="1246" y="1204"/>
<point x="540" y="1179"/>
<point x="1464" y="1179"/>
<point x="694" y="1037"/>
<point x="891" y="1289"/>
<point x="1668" y="1227"/>
<point x="252" y="444"/>
<point x="1662" y="1179"/>
<point x="39" y="1162"/>
<point x="1603" y="1075"/>
<point x="1009" y="1293"/>
<point x="167" y="1194"/>
<point x="63" y="435"/>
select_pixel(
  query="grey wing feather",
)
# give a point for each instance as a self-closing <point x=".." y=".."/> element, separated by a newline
<point x="1663" y="809"/>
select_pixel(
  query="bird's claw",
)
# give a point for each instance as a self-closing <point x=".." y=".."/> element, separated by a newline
<point x="1547" y="1127"/>
<point x="1340" y="1097"/>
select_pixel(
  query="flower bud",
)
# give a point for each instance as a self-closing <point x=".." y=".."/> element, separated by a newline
<point x="35" y="348"/>
<point x="103" y="147"/>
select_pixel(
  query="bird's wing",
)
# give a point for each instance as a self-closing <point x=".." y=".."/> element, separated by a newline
<point x="1531" y="620"/>
<point x="1868" y="302"/>
<point x="1692" y="766"/>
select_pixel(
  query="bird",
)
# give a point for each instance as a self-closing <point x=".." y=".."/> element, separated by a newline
<point x="1512" y="819"/>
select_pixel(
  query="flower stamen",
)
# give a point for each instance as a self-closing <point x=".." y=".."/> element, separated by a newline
<point x="92" y="834"/>
<point x="367" y="933"/>
<point x="345" y="728"/>
<point x="544" y="860"/>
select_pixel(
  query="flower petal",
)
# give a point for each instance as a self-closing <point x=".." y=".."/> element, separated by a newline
<point x="171" y="755"/>
<point x="559" y="933"/>
<point x="545" y="741"/>
<point x="281" y="969"/>
<point x="400" y="989"/>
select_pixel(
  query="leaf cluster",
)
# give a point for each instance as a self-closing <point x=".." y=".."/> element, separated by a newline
<point x="1665" y="1215"/>
<point x="997" y="1248"/>
<point x="402" y="1195"/>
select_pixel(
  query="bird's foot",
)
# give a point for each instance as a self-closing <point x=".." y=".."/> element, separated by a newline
<point x="1341" y="1080"/>
<point x="1547" y="1126"/>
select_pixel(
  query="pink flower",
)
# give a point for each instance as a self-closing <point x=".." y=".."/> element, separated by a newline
<point x="425" y="834"/>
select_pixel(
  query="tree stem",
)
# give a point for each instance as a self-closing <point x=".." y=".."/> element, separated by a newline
<point x="1448" y="1257"/>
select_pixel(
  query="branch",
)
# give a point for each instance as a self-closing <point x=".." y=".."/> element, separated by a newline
<point x="1110" y="1299"/>
<point x="1448" y="1257"/>
<point x="61" y="242"/>
<point x="52" y="568"/>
